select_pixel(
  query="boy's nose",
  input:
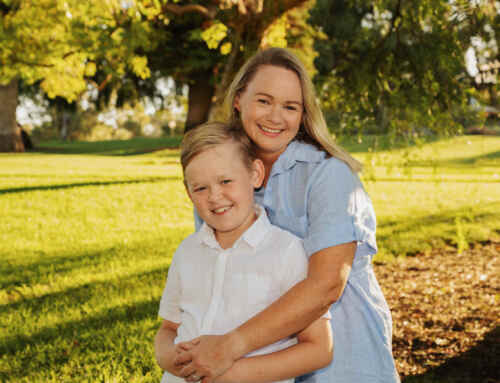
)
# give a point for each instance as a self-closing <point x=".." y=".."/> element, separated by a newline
<point x="214" y="194"/>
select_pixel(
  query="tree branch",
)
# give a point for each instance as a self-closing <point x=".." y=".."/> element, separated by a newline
<point x="179" y="10"/>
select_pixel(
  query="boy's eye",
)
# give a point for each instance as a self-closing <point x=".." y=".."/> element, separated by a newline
<point x="199" y="189"/>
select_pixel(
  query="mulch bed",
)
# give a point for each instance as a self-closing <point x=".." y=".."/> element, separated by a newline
<point x="446" y="309"/>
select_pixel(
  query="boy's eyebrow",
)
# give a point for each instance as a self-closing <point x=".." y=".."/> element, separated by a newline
<point x="287" y="102"/>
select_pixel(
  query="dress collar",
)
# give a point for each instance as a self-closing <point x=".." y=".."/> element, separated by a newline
<point x="297" y="152"/>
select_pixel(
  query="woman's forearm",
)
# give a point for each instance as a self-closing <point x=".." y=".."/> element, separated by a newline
<point x="314" y="351"/>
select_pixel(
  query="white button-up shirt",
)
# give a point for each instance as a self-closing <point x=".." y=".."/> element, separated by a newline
<point x="211" y="290"/>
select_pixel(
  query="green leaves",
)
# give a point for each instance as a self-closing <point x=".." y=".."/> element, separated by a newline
<point x="214" y="34"/>
<point x="393" y="64"/>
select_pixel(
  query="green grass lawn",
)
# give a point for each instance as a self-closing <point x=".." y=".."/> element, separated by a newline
<point x="88" y="230"/>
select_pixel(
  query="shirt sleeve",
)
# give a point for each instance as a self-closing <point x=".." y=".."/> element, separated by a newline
<point x="339" y="210"/>
<point x="170" y="300"/>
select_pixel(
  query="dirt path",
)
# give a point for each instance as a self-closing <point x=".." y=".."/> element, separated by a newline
<point x="446" y="314"/>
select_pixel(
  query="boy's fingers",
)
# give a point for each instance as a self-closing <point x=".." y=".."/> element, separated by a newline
<point x="187" y="372"/>
<point x="183" y="358"/>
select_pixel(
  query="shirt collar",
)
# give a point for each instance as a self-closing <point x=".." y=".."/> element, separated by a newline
<point x="252" y="236"/>
<point x="297" y="152"/>
<point x="256" y="233"/>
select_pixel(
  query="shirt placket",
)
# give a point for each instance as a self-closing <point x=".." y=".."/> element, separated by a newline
<point x="219" y="276"/>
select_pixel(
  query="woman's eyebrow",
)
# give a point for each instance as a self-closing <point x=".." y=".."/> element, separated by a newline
<point x="294" y="102"/>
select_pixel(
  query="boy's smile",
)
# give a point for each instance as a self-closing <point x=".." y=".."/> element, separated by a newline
<point x="221" y="187"/>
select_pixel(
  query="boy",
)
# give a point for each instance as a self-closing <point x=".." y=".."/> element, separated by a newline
<point x="236" y="265"/>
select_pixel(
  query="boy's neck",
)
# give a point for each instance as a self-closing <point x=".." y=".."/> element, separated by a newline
<point x="226" y="240"/>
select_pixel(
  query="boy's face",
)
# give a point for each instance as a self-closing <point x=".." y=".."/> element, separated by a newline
<point x="221" y="187"/>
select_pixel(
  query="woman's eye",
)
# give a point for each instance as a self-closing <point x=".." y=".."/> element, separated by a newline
<point x="263" y="101"/>
<point x="291" y="107"/>
<point x="226" y="181"/>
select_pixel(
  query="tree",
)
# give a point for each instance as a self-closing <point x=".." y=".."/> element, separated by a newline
<point x="57" y="44"/>
<point x="395" y="65"/>
<point x="205" y="45"/>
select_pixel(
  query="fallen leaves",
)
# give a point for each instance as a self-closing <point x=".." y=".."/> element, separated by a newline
<point x="443" y="305"/>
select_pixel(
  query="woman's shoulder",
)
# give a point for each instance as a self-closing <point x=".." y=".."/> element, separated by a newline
<point x="308" y="153"/>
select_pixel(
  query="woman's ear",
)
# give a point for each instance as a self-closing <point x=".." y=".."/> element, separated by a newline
<point x="258" y="173"/>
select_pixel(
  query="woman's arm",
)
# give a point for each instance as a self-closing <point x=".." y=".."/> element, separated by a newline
<point x="165" y="348"/>
<point x="313" y="351"/>
<point x="326" y="279"/>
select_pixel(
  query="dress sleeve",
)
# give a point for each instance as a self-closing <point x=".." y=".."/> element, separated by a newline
<point x="170" y="299"/>
<point x="338" y="209"/>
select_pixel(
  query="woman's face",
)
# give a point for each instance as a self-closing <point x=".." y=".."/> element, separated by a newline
<point x="271" y="109"/>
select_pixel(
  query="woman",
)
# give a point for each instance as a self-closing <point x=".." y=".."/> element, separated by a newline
<point x="311" y="189"/>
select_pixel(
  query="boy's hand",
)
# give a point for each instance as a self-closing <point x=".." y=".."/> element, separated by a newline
<point x="209" y="356"/>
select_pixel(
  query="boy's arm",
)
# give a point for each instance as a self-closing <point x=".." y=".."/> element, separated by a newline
<point x="165" y="348"/>
<point x="313" y="351"/>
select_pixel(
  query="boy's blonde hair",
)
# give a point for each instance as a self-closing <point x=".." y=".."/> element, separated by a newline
<point x="313" y="127"/>
<point x="212" y="134"/>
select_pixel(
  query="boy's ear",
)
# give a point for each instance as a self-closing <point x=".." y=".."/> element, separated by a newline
<point x="236" y="103"/>
<point x="258" y="173"/>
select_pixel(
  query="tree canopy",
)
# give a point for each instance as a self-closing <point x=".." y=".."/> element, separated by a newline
<point x="396" y="64"/>
<point x="385" y="65"/>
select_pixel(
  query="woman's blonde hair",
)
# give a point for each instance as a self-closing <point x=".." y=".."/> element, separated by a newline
<point x="313" y="127"/>
<point x="212" y="134"/>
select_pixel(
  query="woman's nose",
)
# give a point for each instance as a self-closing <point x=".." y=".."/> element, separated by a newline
<point x="275" y="113"/>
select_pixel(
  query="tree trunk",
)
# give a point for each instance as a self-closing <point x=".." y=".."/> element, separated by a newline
<point x="10" y="133"/>
<point x="199" y="100"/>
<point x="492" y="90"/>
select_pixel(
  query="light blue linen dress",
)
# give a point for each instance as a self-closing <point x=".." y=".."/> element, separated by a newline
<point x="322" y="201"/>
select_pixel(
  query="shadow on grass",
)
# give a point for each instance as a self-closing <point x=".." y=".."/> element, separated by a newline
<point x="429" y="179"/>
<point x="74" y="296"/>
<point x="380" y="143"/>
<point x="42" y="269"/>
<point x="111" y="148"/>
<point x="434" y="230"/>
<point x="73" y="332"/>
<point x="477" y="365"/>
<point x="448" y="216"/>
<point x="85" y="184"/>
<point x="486" y="158"/>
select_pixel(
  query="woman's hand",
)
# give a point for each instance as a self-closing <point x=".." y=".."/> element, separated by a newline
<point x="208" y="356"/>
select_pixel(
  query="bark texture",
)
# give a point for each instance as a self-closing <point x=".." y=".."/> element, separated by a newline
<point x="10" y="133"/>
<point x="201" y="92"/>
